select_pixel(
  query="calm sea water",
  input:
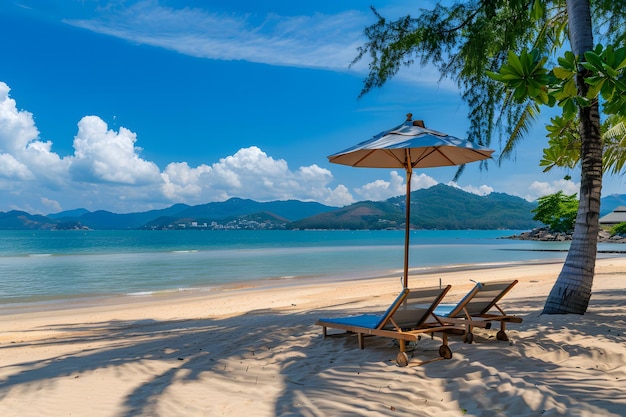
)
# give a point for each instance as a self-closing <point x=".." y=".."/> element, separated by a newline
<point x="56" y="265"/>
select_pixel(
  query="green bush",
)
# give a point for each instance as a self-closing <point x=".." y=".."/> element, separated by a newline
<point x="619" y="229"/>
<point x="557" y="211"/>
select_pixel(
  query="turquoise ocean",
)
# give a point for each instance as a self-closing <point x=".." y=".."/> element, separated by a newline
<point x="51" y="266"/>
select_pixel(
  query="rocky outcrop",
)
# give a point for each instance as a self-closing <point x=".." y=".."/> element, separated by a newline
<point x="543" y="234"/>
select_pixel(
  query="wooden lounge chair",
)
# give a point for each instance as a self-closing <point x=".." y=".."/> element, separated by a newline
<point x="479" y="308"/>
<point x="406" y="319"/>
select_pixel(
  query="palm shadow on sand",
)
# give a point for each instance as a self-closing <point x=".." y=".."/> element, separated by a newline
<point x="279" y="360"/>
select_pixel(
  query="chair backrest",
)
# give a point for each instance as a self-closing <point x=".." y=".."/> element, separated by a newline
<point x="384" y="318"/>
<point x="416" y="307"/>
<point x="482" y="298"/>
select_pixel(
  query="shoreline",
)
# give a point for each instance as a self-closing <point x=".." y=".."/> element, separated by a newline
<point x="79" y="277"/>
<point x="255" y="350"/>
<point x="282" y="292"/>
<point x="77" y="301"/>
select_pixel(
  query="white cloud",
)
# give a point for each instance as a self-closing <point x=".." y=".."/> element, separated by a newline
<point x="480" y="190"/>
<point x="49" y="168"/>
<point x="51" y="205"/>
<point x="339" y="197"/>
<point x="11" y="168"/>
<point x="380" y="190"/>
<point x="539" y="189"/>
<point x="181" y="181"/>
<point x="249" y="173"/>
<point x="102" y="155"/>
<point x="17" y="128"/>
<point x="22" y="155"/>
<point x="422" y="181"/>
<point x="107" y="172"/>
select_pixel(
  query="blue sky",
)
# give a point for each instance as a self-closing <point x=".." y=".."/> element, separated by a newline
<point x="135" y="105"/>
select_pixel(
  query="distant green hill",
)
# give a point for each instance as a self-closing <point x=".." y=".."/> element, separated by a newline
<point x="69" y="215"/>
<point x="20" y="220"/>
<point x="363" y="215"/>
<point x="445" y="207"/>
<point x="438" y="207"/>
<point x="105" y="220"/>
<point x="183" y="215"/>
<point x="289" y="209"/>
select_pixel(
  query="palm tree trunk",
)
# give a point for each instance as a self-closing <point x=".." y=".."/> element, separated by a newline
<point x="572" y="290"/>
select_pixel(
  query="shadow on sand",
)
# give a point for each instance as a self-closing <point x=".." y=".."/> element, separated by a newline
<point x="305" y="375"/>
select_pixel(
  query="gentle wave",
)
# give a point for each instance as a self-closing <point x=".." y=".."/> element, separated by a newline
<point x="168" y="291"/>
<point x="140" y="293"/>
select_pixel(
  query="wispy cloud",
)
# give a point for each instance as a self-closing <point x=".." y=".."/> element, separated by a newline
<point x="319" y="41"/>
<point x="316" y="41"/>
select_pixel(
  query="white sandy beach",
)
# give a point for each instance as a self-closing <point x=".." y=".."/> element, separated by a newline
<point x="255" y="351"/>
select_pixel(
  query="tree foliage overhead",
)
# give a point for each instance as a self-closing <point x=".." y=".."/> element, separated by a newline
<point x="521" y="43"/>
<point x="528" y="78"/>
<point x="463" y="41"/>
<point x="615" y="145"/>
<point x="466" y="39"/>
<point x="564" y="144"/>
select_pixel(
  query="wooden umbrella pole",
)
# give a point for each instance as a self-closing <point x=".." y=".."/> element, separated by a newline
<point x="407" y="223"/>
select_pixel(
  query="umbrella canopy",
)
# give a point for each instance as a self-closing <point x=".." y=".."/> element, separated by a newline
<point x="408" y="146"/>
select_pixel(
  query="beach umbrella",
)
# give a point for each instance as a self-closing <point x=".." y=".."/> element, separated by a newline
<point x="410" y="145"/>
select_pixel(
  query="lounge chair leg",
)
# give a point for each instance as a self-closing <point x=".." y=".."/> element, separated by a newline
<point x="324" y="332"/>
<point x="402" y="345"/>
<point x="444" y="350"/>
<point x="501" y="335"/>
<point x="402" y="359"/>
<point x="361" y="338"/>
<point x="469" y="336"/>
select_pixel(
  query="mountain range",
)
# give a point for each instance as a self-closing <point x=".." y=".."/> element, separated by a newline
<point x="437" y="207"/>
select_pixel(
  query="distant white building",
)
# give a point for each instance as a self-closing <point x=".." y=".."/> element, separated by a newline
<point x="617" y="216"/>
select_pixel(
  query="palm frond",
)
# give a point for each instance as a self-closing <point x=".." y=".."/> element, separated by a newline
<point x="614" y="157"/>
<point x="616" y="131"/>
<point x="525" y="118"/>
